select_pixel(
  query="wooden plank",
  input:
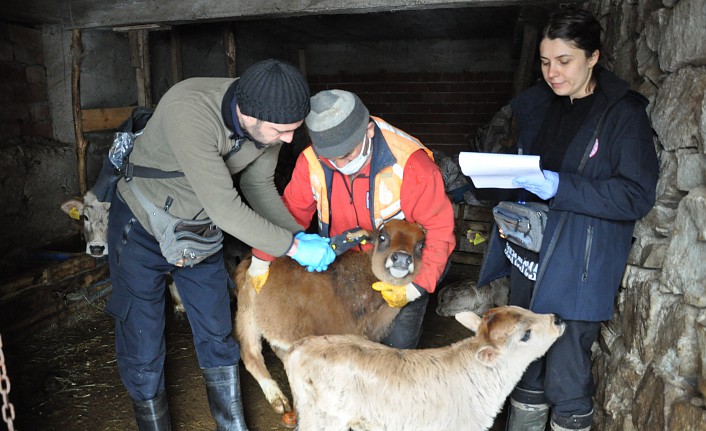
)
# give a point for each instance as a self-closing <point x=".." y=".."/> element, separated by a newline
<point x="530" y="17"/>
<point x="229" y="43"/>
<point x="98" y="120"/>
<point x="151" y="26"/>
<point x="81" y="143"/>
<point x="302" y="61"/>
<point x="140" y="60"/>
<point x="73" y="284"/>
<point x="466" y="258"/>
<point x="177" y="65"/>
<point x="47" y="275"/>
<point x="71" y="267"/>
<point x="473" y="212"/>
<point x="115" y="13"/>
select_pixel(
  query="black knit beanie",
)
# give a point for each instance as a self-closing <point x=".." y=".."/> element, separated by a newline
<point x="273" y="91"/>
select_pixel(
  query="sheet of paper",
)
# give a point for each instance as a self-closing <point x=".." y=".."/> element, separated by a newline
<point x="497" y="170"/>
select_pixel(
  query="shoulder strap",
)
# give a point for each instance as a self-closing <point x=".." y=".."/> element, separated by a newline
<point x="146" y="204"/>
<point x="132" y="170"/>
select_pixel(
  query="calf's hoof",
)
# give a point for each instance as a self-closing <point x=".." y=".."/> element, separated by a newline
<point x="289" y="419"/>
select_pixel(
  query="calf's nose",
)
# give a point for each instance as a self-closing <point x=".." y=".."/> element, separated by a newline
<point x="401" y="259"/>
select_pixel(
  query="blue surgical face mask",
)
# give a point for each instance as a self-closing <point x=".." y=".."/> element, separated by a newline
<point x="356" y="164"/>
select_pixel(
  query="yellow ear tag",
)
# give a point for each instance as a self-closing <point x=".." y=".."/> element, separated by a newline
<point x="477" y="239"/>
<point x="73" y="213"/>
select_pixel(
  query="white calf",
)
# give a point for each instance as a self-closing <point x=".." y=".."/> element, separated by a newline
<point x="93" y="216"/>
<point x="342" y="382"/>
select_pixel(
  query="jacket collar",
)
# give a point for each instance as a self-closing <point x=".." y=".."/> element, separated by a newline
<point x="228" y="111"/>
<point x="382" y="155"/>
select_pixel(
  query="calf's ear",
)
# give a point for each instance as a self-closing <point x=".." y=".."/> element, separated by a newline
<point x="488" y="354"/>
<point x="469" y="319"/>
<point x="73" y="208"/>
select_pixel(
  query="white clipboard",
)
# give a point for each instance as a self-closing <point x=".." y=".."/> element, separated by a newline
<point x="492" y="170"/>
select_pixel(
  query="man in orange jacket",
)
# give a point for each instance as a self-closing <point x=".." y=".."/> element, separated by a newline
<point x="360" y="172"/>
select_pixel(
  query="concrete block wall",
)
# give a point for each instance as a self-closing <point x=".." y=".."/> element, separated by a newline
<point x="24" y="109"/>
<point x="443" y="110"/>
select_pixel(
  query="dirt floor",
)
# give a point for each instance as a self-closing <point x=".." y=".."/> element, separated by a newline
<point x="66" y="378"/>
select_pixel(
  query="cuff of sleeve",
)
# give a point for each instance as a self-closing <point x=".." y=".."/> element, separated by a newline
<point x="262" y="255"/>
<point x="413" y="291"/>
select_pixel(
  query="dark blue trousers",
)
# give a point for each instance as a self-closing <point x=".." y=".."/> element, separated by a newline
<point x="138" y="274"/>
<point x="407" y="326"/>
<point x="564" y="372"/>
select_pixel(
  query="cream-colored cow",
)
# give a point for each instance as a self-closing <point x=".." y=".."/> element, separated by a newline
<point x="342" y="382"/>
<point x="93" y="218"/>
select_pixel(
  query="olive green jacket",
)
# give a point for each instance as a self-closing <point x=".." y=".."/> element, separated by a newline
<point x="190" y="132"/>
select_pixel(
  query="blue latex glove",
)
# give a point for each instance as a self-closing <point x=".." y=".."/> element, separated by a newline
<point x="314" y="252"/>
<point x="545" y="189"/>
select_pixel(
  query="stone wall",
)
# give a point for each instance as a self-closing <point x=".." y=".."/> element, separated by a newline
<point x="650" y="361"/>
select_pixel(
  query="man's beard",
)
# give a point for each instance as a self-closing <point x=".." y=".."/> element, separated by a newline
<point x="260" y="146"/>
<point x="251" y="134"/>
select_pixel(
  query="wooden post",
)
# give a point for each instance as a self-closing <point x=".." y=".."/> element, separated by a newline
<point x="81" y="143"/>
<point x="229" y="42"/>
<point x="177" y="69"/>
<point x="140" y="59"/>
<point x="302" y="61"/>
<point x="531" y="17"/>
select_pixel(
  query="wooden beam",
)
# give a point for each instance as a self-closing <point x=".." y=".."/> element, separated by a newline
<point x="81" y="143"/>
<point x="177" y="65"/>
<point x="98" y="120"/>
<point x="229" y="43"/>
<point x="530" y="17"/>
<point x="140" y="59"/>
<point x="151" y="26"/>
<point x="466" y="258"/>
<point x="117" y="13"/>
<point x="49" y="294"/>
<point x="302" y="61"/>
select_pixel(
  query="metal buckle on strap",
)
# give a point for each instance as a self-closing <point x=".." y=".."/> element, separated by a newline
<point x="129" y="169"/>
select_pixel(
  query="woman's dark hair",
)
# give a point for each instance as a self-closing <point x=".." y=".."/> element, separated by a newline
<point x="577" y="26"/>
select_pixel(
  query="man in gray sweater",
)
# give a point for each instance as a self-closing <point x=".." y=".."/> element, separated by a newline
<point x="205" y="130"/>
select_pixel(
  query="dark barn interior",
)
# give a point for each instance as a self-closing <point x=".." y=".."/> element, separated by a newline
<point x="440" y="70"/>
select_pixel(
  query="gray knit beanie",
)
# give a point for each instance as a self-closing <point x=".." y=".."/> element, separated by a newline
<point x="336" y="123"/>
<point x="273" y="91"/>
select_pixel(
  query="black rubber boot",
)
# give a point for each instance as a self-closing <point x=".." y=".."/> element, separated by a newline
<point x="152" y="415"/>
<point x="529" y="411"/>
<point x="223" y="390"/>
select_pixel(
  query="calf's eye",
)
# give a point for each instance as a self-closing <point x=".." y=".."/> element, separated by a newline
<point x="526" y="336"/>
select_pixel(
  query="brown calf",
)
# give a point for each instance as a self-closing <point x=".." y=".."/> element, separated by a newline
<point x="295" y="303"/>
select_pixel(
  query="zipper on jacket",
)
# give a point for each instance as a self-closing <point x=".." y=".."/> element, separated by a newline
<point x="587" y="257"/>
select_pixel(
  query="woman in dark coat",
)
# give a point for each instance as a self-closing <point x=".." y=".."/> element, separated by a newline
<point x="600" y="172"/>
